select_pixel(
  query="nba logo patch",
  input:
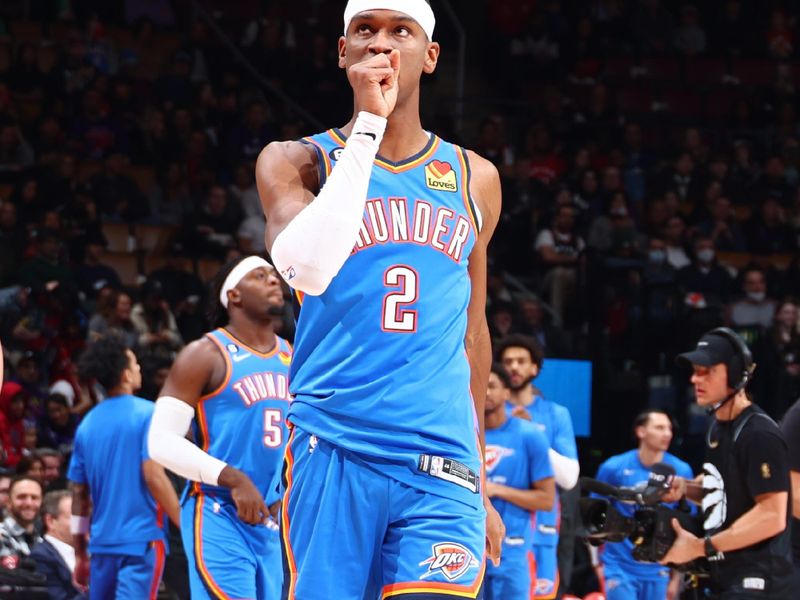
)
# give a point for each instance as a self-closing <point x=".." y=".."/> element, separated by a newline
<point x="440" y="176"/>
<point x="450" y="559"/>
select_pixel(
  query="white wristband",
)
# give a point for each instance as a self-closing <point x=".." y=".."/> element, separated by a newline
<point x="312" y="248"/>
<point x="168" y="446"/>
<point x="79" y="525"/>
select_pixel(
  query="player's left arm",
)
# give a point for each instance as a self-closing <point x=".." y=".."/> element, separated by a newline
<point x="486" y="192"/>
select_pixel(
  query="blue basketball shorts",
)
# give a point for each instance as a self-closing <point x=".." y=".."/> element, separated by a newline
<point x="227" y="557"/>
<point x="350" y="532"/>
<point x="513" y="579"/>
<point x="624" y="585"/>
<point x="546" y="558"/>
<point x="123" y="576"/>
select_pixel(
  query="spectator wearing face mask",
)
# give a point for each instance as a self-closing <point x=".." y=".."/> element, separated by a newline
<point x="754" y="309"/>
<point x="704" y="283"/>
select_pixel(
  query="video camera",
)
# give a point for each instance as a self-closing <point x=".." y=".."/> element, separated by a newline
<point x="650" y="529"/>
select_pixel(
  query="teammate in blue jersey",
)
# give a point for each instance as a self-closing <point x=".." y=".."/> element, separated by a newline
<point x="626" y="578"/>
<point x="381" y="228"/>
<point x="232" y="387"/>
<point x="519" y="482"/>
<point x="523" y="358"/>
<point x="119" y="494"/>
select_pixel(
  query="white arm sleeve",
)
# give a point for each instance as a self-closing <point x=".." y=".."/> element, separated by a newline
<point x="312" y="248"/>
<point x="168" y="446"/>
<point x="566" y="470"/>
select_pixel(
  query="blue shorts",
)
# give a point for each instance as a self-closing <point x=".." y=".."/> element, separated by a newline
<point x="122" y="576"/>
<point x="227" y="557"/>
<point x="351" y="533"/>
<point x="624" y="585"/>
<point x="546" y="559"/>
<point x="513" y="579"/>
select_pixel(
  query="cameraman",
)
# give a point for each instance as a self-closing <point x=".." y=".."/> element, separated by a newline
<point x="626" y="578"/>
<point x="744" y="488"/>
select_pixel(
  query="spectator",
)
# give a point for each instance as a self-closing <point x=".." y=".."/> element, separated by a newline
<point x="690" y="39"/>
<point x="13" y="404"/>
<point x="52" y="475"/>
<point x="155" y="324"/>
<point x="13" y="239"/>
<point x="55" y="555"/>
<point x="93" y="275"/>
<point x="170" y="200"/>
<point x="18" y="534"/>
<point x="31" y="465"/>
<point x="705" y="277"/>
<point x="57" y="428"/>
<point x="768" y="233"/>
<point x="614" y="234"/>
<point x="559" y="249"/>
<point x="16" y="153"/>
<point x="116" y="194"/>
<point x="534" y="322"/>
<point x="755" y="309"/>
<point x="213" y="230"/>
<point x="113" y="312"/>
<point x="783" y="363"/>
<point x="47" y="267"/>
<point x="5" y="484"/>
<point x="675" y="239"/>
<point x="722" y="228"/>
<point x="243" y="191"/>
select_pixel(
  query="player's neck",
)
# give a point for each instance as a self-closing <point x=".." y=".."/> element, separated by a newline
<point x="404" y="135"/>
<point x="495" y="418"/>
<point x="524" y="396"/>
<point x="258" y="336"/>
<point x="648" y="456"/>
<point x="123" y="389"/>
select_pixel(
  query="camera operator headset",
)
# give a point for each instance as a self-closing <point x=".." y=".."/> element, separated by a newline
<point x="744" y="487"/>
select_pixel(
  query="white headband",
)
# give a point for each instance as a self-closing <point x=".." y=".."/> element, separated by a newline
<point x="419" y="10"/>
<point x="251" y="263"/>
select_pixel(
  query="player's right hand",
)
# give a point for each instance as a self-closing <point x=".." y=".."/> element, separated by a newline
<point x="249" y="502"/>
<point x="80" y="576"/>
<point x="375" y="83"/>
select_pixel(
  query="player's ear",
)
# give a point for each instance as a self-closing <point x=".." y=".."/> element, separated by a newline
<point x="342" y="53"/>
<point x="431" y="57"/>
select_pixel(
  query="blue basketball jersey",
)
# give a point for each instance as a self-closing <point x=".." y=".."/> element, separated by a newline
<point x="243" y="422"/>
<point x="516" y="456"/>
<point x="626" y="470"/>
<point x="379" y="365"/>
<point x="554" y="421"/>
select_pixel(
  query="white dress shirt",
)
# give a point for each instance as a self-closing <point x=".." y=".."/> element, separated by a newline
<point x="66" y="551"/>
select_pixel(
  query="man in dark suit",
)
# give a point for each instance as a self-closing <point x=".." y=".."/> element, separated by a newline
<point x="55" y="556"/>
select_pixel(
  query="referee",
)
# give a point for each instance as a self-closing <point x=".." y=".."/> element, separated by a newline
<point x="744" y="487"/>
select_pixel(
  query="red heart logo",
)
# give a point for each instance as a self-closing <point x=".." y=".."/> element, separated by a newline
<point x="442" y="168"/>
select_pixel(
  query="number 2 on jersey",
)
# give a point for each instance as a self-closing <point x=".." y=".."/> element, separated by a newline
<point x="273" y="432"/>
<point x="396" y="317"/>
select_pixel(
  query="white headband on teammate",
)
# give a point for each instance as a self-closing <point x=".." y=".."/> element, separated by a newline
<point x="251" y="263"/>
<point x="419" y="10"/>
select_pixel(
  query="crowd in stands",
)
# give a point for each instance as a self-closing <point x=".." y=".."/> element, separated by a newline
<point x="649" y="153"/>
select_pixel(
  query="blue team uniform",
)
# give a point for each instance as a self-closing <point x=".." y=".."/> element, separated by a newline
<point x="243" y="423"/>
<point x="385" y="430"/>
<point x="626" y="578"/>
<point x="516" y="456"/>
<point x="128" y="535"/>
<point x="555" y="422"/>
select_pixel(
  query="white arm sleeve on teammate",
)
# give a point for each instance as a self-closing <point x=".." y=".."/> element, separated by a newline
<point x="566" y="470"/>
<point x="312" y="248"/>
<point x="168" y="446"/>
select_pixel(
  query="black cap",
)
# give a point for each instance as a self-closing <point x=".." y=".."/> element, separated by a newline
<point x="712" y="349"/>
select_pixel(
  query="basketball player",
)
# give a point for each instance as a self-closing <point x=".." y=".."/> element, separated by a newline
<point x="522" y="357"/>
<point x="116" y="481"/>
<point x="232" y="385"/>
<point x="381" y="228"/>
<point x="520" y="482"/>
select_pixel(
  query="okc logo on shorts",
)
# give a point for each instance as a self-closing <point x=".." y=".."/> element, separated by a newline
<point x="450" y="559"/>
<point x="440" y="176"/>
